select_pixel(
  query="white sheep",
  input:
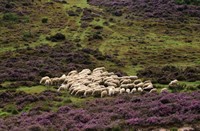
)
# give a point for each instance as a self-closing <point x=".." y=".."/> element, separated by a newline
<point x="116" y="91"/>
<point x="63" y="86"/>
<point x="72" y="73"/>
<point x="140" y="89"/>
<point x="128" y="91"/>
<point x="110" y="84"/>
<point x="43" y="79"/>
<point x="104" y="93"/>
<point x="117" y="82"/>
<point x="85" y="72"/>
<point x="97" y="92"/>
<point x="149" y="87"/>
<point x="75" y="89"/>
<point x="48" y="82"/>
<point x="153" y="90"/>
<point x="63" y="77"/>
<point x="164" y="90"/>
<point x="174" y="82"/>
<point x="122" y="90"/>
<point x="137" y="81"/>
<point x="133" y="90"/>
<point x="81" y="91"/>
<point x="88" y="92"/>
<point x="124" y="86"/>
<point x="99" y="68"/>
<point x="147" y="81"/>
<point x="111" y="91"/>
<point x="139" y="84"/>
<point x="133" y="77"/>
<point x="126" y="81"/>
<point x="55" y="81"/>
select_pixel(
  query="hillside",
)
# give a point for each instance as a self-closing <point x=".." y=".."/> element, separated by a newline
<point x="156" y="40"/>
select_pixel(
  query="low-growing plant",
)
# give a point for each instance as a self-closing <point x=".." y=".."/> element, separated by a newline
<point x="10" y="17"/>
<point x="44" y="20"/>
<point x="188" y="2"/>
<point x="177" y="87"/>
<point x="67" y="100"/>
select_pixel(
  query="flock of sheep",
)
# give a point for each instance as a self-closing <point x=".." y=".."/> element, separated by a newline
<point x="98" y="82"/>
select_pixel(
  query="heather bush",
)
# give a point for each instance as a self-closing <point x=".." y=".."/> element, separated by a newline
<point x="194" y="2"/>
<point x="29" y="66"/>
<point x="164" y="9"/>
<point x="117" y="113"/>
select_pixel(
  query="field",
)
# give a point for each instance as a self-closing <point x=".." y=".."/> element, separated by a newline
<point x="155" y="40"/>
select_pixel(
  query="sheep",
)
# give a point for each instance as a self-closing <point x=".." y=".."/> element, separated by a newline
<point x="126" y="81"/>
<point x="110" y="74"/>
<point x="137" y="81"/>
<point x="72" y="86"/>
<point x="116" y="91"/>
<point x="133" y="77"/>
<point x="93" y="85"/>
<point x="81" y="91"/>
<point x="133" y="90"/>
<point x="117" y="82"/>
<point x="48" y="82"/>
<point x="148" y="81"/>
<point x="140" y="89"/>
<point x="97" y="91"/>
<point x="44" y="79"/>
<point x="99" y="68"/>
<point x="63" y="86"/>
<point x="130" y="86"/>
<point x="85" y="72"/>
<point x="122" y="90"/>
<point x="71" y="73"/>
<point x="75" y="89"/>
<point x="114" y="76"/>
<point x="174" y="82"/>
<point x="164" y="90"/>
<point x="99" y="79"/>
<point x="149" y="87"/>
<point x="139" y="85"/>
<point x="104" y="93"/>
<point x="110" y="84"/>
<point x="123" y="86"/>
<point x="111" y="91"/>
<point x="63" y="77"/>
<point x="153" y="90"/>
<point x="55" y="81"/>
<point x="146" y="84"/>
<point x="128" y="91"/>
<point x="105" y="73"/>
<point x="88" y="92"/>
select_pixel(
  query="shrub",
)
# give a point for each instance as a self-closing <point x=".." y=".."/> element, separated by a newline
<point x="10" y="17"/>
<point x="178" y="87"/>
<point x="188" y="2"/>
<point x="44" y="20"/>
<point x="57" y="37"/>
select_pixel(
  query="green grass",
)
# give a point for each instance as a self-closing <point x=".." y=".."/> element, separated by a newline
<point x="34" y="89"/>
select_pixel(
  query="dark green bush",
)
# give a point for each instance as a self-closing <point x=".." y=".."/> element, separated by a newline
<point x="10" y="17"/>
<point x="44" y="20"/>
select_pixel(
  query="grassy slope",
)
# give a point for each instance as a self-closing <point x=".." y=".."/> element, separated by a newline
<point x="142" y="44"/>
